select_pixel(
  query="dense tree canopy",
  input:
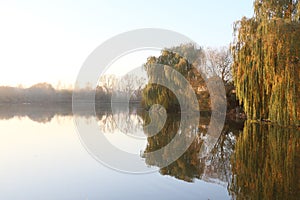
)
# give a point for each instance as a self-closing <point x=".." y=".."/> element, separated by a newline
<point x="266" y="66"/>
<point x="157" y="94"/>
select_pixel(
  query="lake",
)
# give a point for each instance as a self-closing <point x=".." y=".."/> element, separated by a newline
<point x="43" y="157"/>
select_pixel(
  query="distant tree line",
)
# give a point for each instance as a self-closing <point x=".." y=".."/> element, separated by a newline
<point x="38" y="93"/>
<point x="126" y="87"/>
<point x="45" y="93"/>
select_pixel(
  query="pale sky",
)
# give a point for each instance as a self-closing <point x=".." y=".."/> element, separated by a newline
<point x="48" y="41"/>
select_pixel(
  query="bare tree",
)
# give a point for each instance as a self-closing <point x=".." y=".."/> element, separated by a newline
<point x="218" y="62"/>
<point x="108" y="82"/>
<point x="131" y="82"/>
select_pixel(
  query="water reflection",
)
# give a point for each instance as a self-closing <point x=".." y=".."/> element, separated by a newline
<point x="253" y="161"/>
<point x="41" y="113"/>
<point x="214" y="167"/>
<point x="108" y="123"/>
<point x="188" y="166"/>
<point x="266" y="163"/>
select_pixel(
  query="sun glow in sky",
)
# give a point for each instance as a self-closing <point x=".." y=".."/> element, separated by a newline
<point x="48" y="41"/>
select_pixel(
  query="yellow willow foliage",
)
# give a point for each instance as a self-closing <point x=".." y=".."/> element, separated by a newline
<point x="266" y="66"/>
<point x="266" y="163"/>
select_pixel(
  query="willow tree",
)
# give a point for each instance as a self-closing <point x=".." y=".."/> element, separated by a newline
<point x="184" y="59"/>
<point x="266" y="66"/>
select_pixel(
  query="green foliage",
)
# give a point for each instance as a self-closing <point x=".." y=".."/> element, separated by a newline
<point x="191" y="52"/>
<point x="157" y="94"/>
<point x="188" y="166"/>
<point x="266" y="66"/>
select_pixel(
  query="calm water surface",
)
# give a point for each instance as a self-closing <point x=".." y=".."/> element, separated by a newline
<point x="42" y="158"/>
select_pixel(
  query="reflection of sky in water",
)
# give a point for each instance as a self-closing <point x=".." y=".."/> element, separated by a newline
<point x="47" y="161"/>
<point x="132" y="140"/>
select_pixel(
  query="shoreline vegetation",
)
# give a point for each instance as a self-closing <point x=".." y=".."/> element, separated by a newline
<point x="260" y="71"/>
<point x="266" y="64"/>
<point x="44" y="97"/>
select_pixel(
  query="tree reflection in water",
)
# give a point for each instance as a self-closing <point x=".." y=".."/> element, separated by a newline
<point x="190" y="166"/>
<point x="260" y="162"/>
<point x="266" y="163"/>
<point x="254" y="161"/>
